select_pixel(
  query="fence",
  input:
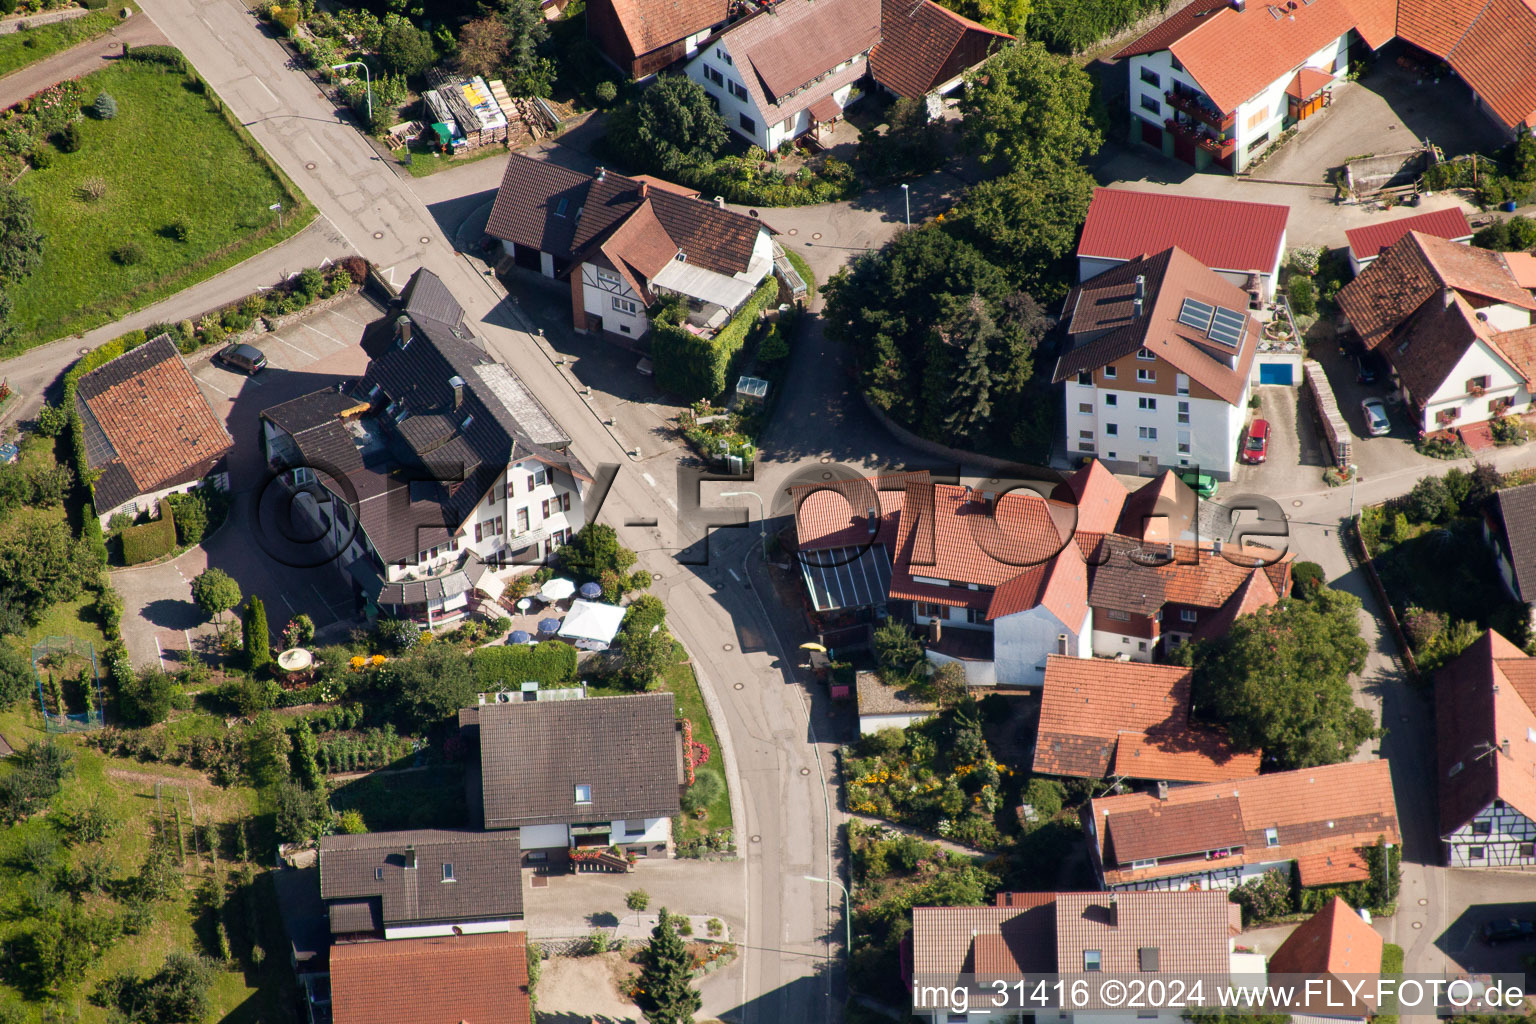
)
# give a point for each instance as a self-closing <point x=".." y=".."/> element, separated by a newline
<point x="53" y="654"/>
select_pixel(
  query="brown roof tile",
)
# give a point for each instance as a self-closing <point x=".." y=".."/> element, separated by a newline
<point x="651" y="24"/>
<point x="155" y="421"/>
<point x="1329" y="810"/>
<point x="1417" y="267"/>
<point x="1102" y="313"/>
<point x="462" y="979"/>
<point x="1483" y="700"/>
<point x="1335" y="940"/>
<point x="786" y="48"/>
<point x="1162" y="829"/>
<point x="1188" y="931"/>
<point x="923" y="45"/>
<point x="485" y="883"/>
<point x="1367" y="242"/>
<point x="1233" y="55"/>
<point x="1512" y="518"/>
<point x="1089" y="706"/>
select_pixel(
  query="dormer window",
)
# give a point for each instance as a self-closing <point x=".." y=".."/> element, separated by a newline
<point x="583" y="794"/>
<point x="681" y="257"/>
<point x="1272" y="837"/>
<point x="562" y="207"/>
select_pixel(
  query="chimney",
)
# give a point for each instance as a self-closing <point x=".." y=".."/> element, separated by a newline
<point x="645" y="188"/>
<point x="1061" y="644"/>
<point x="1141" y="293"/>
<point x="457" y="383"/>
<point x="403" y="331"/>
<point x="1239" y="5"/>
<point x="602" y="172"/>
<point x="1162" y="791"/>
<point x="1448" y="297"/>
<point x="1114" y="911"/>
<point x="720" y="202"/>
<point x="1504" y="746"/>
<point x="935" y="631"/>
<point x="874" y="520"/>
<point x="410" y="858"/>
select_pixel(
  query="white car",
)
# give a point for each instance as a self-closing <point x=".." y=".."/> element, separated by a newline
<point x="1376" y="422"/>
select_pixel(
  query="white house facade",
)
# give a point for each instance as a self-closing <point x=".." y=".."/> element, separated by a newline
<point x="1142" y="432"/>
<point x="749" y="116"/>
<point x="1481" y="386"/>
<point x="1023" y="641"/>
<point x="1499" y="836"/>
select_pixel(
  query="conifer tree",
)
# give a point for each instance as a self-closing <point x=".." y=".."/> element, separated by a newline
<point x="666" y="993"/>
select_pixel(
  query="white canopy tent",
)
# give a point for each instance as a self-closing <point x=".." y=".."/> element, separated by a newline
<point x="590" y="625"/>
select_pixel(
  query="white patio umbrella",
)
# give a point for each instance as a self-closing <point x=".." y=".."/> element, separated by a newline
<point x="557" y="590"/>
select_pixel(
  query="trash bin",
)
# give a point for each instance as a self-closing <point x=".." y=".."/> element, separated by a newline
<point x="1508" y="207"/>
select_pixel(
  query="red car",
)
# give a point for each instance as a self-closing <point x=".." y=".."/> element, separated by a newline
<point x="1256" y="445"/>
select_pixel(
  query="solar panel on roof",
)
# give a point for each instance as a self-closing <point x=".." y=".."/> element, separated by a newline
<point x="1227" y="326"/>
<point x="1196" y="314"/>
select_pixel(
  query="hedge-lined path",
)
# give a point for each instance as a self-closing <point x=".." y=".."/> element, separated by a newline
<point x="79" y="60"/>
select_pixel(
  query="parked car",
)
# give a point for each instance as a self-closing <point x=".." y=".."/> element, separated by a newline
<point x="1256" y="445"/>
<point x="1371" y="368"/>
<point x="1376" y="421"/>
<point x="1507" y="929"/>
<point x="246" y="359"/>
<point x="1202" y="484"/>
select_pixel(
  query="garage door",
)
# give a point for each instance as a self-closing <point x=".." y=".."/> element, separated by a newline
<point x="1275" y="373"/>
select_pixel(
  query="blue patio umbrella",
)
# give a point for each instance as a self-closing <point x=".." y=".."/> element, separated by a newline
<point x="591" y="591"/>
<point x="549" y="625"/>
<point x="518" y="636"/>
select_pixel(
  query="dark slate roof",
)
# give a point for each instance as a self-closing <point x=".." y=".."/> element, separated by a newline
<point x="416" y="473"/>
<point x="528" y="211"/>
<point x="486" y="885"/>
<point x="534" y="754"/>
<point x="1516" y="509"/>
<point x="352" y="917"/>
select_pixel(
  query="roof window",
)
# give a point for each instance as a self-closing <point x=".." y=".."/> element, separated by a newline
<point x="583" y="794"/>
<point x="562" y="207"/>
<point x="448" y="872"/>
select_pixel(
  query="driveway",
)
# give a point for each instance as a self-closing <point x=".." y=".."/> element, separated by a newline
<point x="159" y="620"/>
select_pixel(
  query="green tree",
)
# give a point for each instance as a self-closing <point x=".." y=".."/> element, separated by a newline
<point x="643" y="656"/>
<point x="708" y="786"/>
<point x="258" y="639"/>
<point x="637" y="900"/>
<point x="1307" y="578"/>
<point x="302" y="814"/>
<point x="1279" y="680"/>
<point x="432" y="685"/>
<point x="958" y="388"/>
<point x="666" y="993"/>
<point x="405" y="49"/>
<point x="21" y="244"/>
<point x="527" y="32"/>
<point x="1004" y="15"/>
<point x="215" y="593"/>
<point x="175" y="994"/>
<point x="912" y="144"/>
<point x="643" y="613"/>
<point x="896" y="648"/>
<point x="41" y="562"/>
<point x="483" y="46"/>
<point x="594" y="550"/>
<point x="887" y="305"/>
<point x="1026" y="221"/>
<point x="1445" y="645"/>
<point x="148" y="698"/>
<point x="1302" y="297"/>
<point x="671" y="125"/>
<point x="16" y="678"/>
<point x="1026" y="107"/>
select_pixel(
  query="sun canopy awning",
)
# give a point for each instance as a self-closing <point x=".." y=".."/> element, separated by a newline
<point x="846" y="577"/>
<point x="698" y="283"/>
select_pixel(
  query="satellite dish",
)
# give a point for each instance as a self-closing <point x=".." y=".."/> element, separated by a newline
<point x="503" y="698"/>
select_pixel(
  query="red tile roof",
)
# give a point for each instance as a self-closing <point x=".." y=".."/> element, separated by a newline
<point x="1233" y="55"/>
<point x="1308" y="82"/>
<point x="1335" y="940"/>
<point x="972" y="542"/>
<point x="826" y="516"/>
<point x="1172" y="28"/>
<point x="1491" y="44"/>
<point x="1485" y="697"/>
<point x="462" y="979"/>
<point x="923" y="45"/>
<point x="1375" y="21"/>
<point x="1060" y="586"/>
<point x="1413" y="269"/>
<point x="1219" y="233"/>
<point x="1162" y="829"/>
<point x="1523" y="266"/>
<point x="1097" y="496"/>
<point x="1436" y="25"/>
<point x="782" y="50"/>
<point x="1368" y="242"/>
<point x="1096" y="713"/>
<point x="156" y="422"/>
<point x="1318" y="813"/>
<point x="651" y="24"/>
<point x="1102" y="309"/>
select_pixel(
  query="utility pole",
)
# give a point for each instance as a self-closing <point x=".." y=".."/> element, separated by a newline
<point x="367" y="84"/>
<point x="906" y="195"/>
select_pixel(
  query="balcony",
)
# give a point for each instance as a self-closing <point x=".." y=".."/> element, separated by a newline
<point x="1197" y="108"/>
<point x="1204" y="138"/>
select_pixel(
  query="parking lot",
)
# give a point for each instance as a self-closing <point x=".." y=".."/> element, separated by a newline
<point x="159" y="620"/>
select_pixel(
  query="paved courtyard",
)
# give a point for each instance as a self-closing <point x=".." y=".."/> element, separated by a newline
<point x="160" y="623"/>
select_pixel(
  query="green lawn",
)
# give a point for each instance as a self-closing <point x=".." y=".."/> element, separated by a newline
<point x="18" y="49"/>
<point x="431" y="797"/>
<point x="425" y="162"/>
<point x="169" y="155"/>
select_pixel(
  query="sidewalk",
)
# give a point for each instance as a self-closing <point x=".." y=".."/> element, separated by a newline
<point x="82" y="59"/>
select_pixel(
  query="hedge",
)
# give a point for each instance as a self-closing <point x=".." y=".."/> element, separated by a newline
<point x="156" y="53"/>
<point x="155" y="538"/>
<point x="692" y="367"/>
<point x="548" y="662"/>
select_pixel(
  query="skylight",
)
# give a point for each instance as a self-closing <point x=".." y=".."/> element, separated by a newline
<point x="1227" y="327"/>
<point x="1197" y="314"/>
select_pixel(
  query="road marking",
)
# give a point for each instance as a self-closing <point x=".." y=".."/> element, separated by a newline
<point x="322" y="334"/>
<point x="733" y="575"/>
<point x="159" y="653"/>
<point x="287" y="602"/>
<point x="649" y="479"/>
<point x="323" y="602"/>
<point x="301" y="351"/>
<point x="347" y="318"/>
<point x="215" y="387"/>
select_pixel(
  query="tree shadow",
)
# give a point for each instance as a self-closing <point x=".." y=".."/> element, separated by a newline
<point x="172" y="613"/>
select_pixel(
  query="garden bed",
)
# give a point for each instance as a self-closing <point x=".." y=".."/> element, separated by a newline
<point x="166" y="193"/>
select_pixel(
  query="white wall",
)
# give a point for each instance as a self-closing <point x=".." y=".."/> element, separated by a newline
<point x="151" y="499"/>
<point x="1109" y="644"/>
<point x="543" y="837"/>
<point x="1022" y="641"/>
<point x="657" y="830"/>
<point x="1508" y="831"/>
<point x="1332" y="59"/>
<point x="597" y="298"/>
<point x="977" y="673"/>
<point x="426" y="931"/>
<point x="1211" y="433"/>
<point x="874" y="723"/>
<point x="1479" y="360"/>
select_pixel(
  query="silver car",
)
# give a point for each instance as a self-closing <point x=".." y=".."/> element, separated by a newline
<point x="1376" y="422"/>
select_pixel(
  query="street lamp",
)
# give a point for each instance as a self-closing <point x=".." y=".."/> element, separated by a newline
<point x="906" y="194"/>
<point x="762" y="521"/>
<point x="367" y="84"/>
<point x="848" y="911"/>
<point x="1354" y="478"/>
